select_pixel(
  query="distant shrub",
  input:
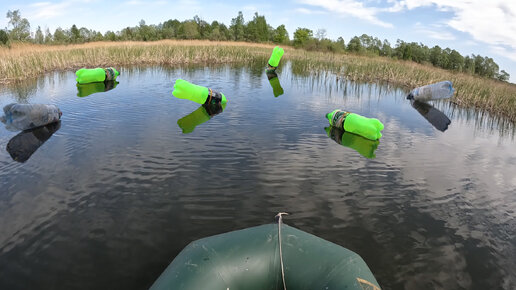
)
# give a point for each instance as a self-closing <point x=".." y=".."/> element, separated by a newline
<point x="4" y="37"/>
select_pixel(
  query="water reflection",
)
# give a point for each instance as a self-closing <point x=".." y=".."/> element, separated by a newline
<point x="418" y="215"/>
<point x="333" y="86"/>
<point x="22" y="146"/>
<point x="437" y="118"/>
<point x="275" y="83"/>
<point x="199" y="116"/>
<point x="358" y="143"/>
<point x="84" y="90"/>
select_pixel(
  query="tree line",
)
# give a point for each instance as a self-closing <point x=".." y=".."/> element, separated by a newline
<point x="257" y="30"/>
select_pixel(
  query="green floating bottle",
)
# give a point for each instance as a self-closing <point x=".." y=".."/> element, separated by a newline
<point x="84" y="90"/>
<point x="85" y="75"/>
<point x="366" y="127"/>
<point x="275" y="84"/>
<point x="360" y="144"/>
<point x="275" y="58"/>
<point x="199" y="116"/>
<point x="198" y="94"/>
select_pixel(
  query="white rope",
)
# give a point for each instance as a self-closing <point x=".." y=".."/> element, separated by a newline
<point x="280" y="252"/>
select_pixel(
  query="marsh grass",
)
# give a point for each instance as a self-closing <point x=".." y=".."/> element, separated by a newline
<point x="29" y="60"/>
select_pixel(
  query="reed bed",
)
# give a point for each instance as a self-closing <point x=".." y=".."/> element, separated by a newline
<point x="29" y="60"/>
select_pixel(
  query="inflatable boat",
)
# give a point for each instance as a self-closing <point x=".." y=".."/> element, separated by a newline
<point x="271" y="256"/>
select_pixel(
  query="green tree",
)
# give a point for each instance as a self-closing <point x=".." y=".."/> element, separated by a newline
<point x="320" y="34"/>
<point x="386" y="49"/>
<point x="86" y="35"/>
<point x="128" y="33"/>
<point x="4" y="37"/>
<point x="98" y="37"/>
<point x="456" y="61"/>
<point x="39" y="38"/>
<point x="215" y="34"/>
<point x="280" y="34"/>
<point x="257" y="29"/>
<point x="203" y="27"/>
<point x="190" y="30"/>
<point x="170" y="28"/>
<point x="60" y="36"/>
<point x="237" y="27"/>
<point x="74" y="34"/>
<point x="355" y="45"/>
<point x="340" y="44"/>
<point x="403" y="50"/>
<point x="20" y="26"/>
<point x="488" y="68"/>
<point x="224" y="31"/>
<point x="435" y="55"/>
<point x="469" y="65"/>
<point x="48" y="36"/>
<point x="503" y="76"/>
<point x="144" y="31"/>
<point x="302" y="36"/>
<point x="110" y="35"/>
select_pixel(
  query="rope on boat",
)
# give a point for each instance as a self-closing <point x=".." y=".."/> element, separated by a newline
<point x="279" y="215"/>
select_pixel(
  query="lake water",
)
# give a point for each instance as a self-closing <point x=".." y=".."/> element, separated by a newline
<point x="117" y="191"/>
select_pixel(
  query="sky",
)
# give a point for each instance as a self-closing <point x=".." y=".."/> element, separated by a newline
<point x="480" y="27"/>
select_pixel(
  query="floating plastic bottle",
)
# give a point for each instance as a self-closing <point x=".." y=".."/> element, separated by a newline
<point x="198" y="94"/>
<point x="84" y="90"/>
<point x="441" y="90"/>
<point x="360" y="144"/>
<point x="22" y="146"/>
<point x="275" y="58"/>
<point x="275" y="84"/>
<point x="85" y="75"/>
<point x="437" y="118"/>
<point x="28" y="116"/>
<point x="199" y="116"/>
<point x="366" y="127"/>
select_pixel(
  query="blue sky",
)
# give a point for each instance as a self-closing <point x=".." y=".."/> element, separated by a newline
<point x="481" y="27"/>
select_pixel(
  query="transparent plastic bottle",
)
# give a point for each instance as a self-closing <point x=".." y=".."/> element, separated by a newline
<point x="440" y="90"/>
<point x="28" y="116"/>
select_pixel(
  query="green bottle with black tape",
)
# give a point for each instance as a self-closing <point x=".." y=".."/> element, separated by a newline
<point x="86" y="76"/>
<point x="199" y="94"/>
<point x="275" y="58"/>
<point x="366" y="127"/>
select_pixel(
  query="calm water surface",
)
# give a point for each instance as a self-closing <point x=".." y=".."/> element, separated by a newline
<point x="108" y="198"/>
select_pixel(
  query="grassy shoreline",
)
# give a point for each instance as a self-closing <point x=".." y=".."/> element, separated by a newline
<point x="28" y="60"/>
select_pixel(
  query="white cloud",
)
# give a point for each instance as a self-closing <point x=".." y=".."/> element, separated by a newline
<point x="250" y="8"/>
<point x="138" y="2"/>
<point x="308" y="11"/>
<point x="134" y="2"/>
<point x="442" y="35"/>
<point x="349" y="8"/>
<point x="46" y="10"/>
<point x="435" y="31"/>
<point x="490" y="22"/>
<point x="500" y="50"/>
